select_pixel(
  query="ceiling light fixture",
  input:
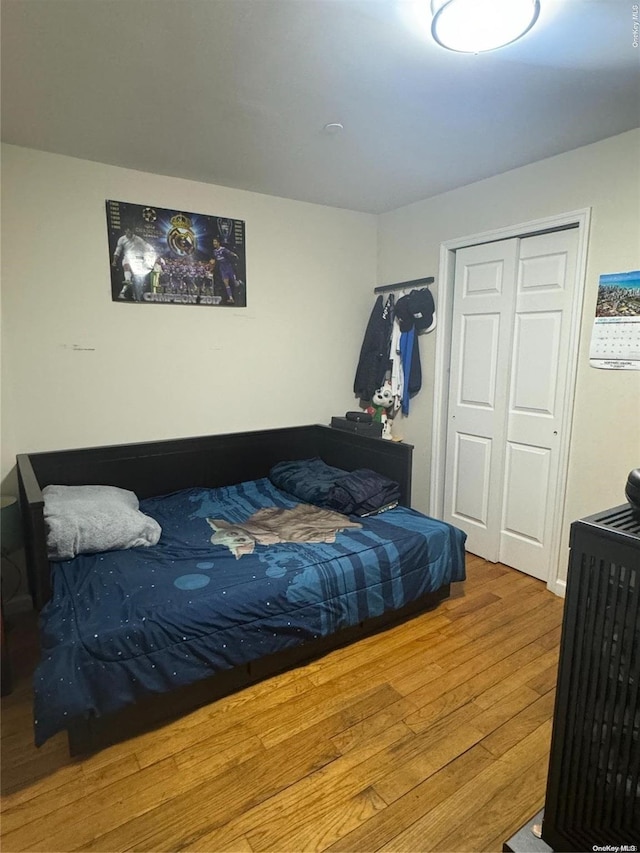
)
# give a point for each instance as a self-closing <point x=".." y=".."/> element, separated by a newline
<point x="474" y="26"/>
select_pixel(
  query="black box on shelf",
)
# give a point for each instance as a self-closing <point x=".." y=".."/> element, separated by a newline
<point x="373" y="429"/>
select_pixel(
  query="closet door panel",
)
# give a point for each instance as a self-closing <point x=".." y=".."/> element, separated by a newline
<point x="545" y="278"/>
<point x="535" y="363"/>
<point x="523" y="508"/>
<point x="478" y="360"/>
<point x="472" y="467"/>
<point x="524" y="521"/>
<point x="478" y="392"/>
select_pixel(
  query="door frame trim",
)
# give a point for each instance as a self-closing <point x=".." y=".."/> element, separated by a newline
<point x="577" y="218"/>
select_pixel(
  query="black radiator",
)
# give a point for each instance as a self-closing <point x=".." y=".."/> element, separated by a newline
<point x="593" y="789"/>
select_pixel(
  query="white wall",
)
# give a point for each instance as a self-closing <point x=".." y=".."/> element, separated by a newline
<point x="81" y="370"/>
<point x="605" y="441"/>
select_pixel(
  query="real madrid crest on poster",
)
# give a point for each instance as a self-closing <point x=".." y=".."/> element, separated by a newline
<point x="166" y="256"/>
<point x="181" y="238"/>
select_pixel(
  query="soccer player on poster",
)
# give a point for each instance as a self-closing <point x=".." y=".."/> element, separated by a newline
<point x="138" y="259"/>
<point x="224" y="258"/>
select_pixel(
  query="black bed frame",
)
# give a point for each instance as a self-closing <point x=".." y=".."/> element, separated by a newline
<point x="161" y="467"/>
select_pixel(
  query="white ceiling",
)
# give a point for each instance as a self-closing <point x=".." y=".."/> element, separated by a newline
<point x="237" y="92"/>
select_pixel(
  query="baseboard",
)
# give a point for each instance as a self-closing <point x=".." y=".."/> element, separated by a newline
<point x="559" y="587"/>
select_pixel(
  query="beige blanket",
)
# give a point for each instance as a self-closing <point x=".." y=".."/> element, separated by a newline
<point x="268" y="526"/>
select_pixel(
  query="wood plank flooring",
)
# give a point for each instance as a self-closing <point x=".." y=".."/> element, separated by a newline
<point x="432" y="736"/>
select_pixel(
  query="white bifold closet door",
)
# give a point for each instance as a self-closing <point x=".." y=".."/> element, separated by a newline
<point x="509" y="353"/>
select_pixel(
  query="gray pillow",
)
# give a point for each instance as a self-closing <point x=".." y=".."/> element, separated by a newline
<point x="87" y="519"/>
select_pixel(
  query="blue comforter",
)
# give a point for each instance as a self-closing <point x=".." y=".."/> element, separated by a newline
<point x="125" y="624"/>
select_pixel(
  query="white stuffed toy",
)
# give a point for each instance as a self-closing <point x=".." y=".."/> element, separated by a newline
<point x="381" y="402"/>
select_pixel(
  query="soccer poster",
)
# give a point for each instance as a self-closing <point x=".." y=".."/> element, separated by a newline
<point x="172" y="257"/>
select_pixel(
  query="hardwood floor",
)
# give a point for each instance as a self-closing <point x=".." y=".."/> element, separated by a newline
<point x="433" y="736"/>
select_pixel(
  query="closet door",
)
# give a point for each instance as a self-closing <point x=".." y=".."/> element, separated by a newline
<point x="531" y="507"/>
<point x="509" y="356"/>
<point x="476" y="429"/>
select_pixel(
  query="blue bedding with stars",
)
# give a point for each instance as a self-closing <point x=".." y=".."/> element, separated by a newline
<point x="125" y="624"/>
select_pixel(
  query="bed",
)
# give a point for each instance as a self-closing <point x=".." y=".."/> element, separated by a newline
<point x="133" y="637"/>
